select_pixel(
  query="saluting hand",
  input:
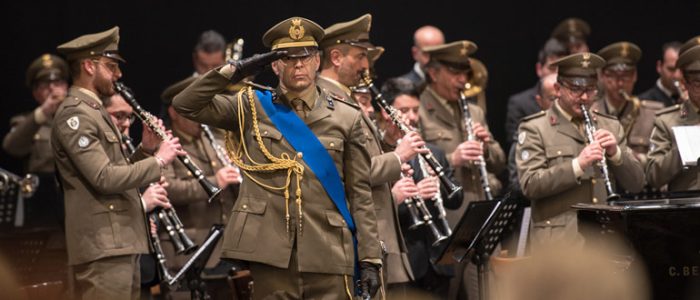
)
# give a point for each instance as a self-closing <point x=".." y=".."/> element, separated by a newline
<point x="606" y="140"/>
<point x="403" y="189"/>
<point x="591" y="154"/>
<point x="51" y="104"/>
<point x="466" y="153"/>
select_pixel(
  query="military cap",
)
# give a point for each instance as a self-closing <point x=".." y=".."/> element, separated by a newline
<point x="579" y="69"/>
<point x="355" y="33"/>
<point x="621" y="56"/>
<point x="170" y="92"/>
<point x="47" y="67"/>
<point x="454" y="54"/>
<point x="293" y="32"/>
<point x="689" y="61"/>
<point x="689" y="44"/>
<point x="104" y="43"/>
<point x="571" y="29"/>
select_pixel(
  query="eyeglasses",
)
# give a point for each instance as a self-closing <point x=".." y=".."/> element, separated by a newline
<point x="290" y="61"/>
<point x="121" y="117"/>
<point x="577" y="92"/>
<point x="112" y="66"/>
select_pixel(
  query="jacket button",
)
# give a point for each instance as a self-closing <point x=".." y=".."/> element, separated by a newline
<point x="244" y="206"/>
<point x="548" y="222"/>
<point x="223" y="217"/>
<point x="265" y="132"/>
<point x="592" y="181"/>
<point x="111" y="207"/>
<point x="332" y="144"/>
<point x="595" y="200"/>
<point x="559" y="152"/>
<point x="300" y="155"/>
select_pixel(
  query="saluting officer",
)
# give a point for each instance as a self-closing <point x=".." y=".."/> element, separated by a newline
<point x="618" y="77"/>
<point x="306" y="193"/>
<point x="345" y="57"/>
<point x="664" y="162"/>
<point x="557" y="166"/>
<point x="105" y="222"/>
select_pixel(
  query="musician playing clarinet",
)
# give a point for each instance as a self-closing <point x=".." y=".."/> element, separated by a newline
<point x="105" y="218"/>
<point x="557" y="164"/>
<point x="402" y="94"/>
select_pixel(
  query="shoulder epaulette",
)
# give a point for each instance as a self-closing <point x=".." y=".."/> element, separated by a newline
<point x="604" y="115"/>
<point x="329" y="95"/>
<point x="668" y="109"/>
<point x="533" y="116"/>
<point x="651" y="104"/>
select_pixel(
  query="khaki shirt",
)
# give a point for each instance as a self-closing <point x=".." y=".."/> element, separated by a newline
<point x="442" y="128"/>
<point x="664" y="164"/>
<point x="548" y="142"/>
<point x="104" y="213"/>
<point x="256" y="230"/>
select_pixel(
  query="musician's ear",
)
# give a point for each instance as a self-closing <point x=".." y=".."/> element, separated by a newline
<point x="275" y="67"/>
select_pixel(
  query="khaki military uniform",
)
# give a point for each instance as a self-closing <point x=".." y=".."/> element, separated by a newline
<point x="28" y="137"/>
<point x="664" y="164"/>
<point x="548" y="142"/>
<point x="256" y="230"/>
<point x="637" y="120"/>
<point x="385" y="168"/>
<point x="444" y="127"/>
<point x="190" y="200"/>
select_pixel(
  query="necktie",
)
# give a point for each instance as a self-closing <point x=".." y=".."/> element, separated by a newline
<point x="298" y="106"/>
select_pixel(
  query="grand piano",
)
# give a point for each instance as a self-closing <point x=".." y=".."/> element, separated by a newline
<point x="663" y="236"/>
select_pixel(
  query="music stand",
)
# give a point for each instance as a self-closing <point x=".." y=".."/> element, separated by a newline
<point x="193" y="267"/>
<point x="476" y="236"/>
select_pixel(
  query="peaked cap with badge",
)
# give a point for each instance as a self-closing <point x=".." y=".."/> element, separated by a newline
<point x="454" y="54"/>
<point x="47" y="67"/>
<point x="579" y="69"/>
<point x="105" y="43"/>
<point x="621" y="56"/>
<point x="572" y="30"/>
<point x="354" y="33"/>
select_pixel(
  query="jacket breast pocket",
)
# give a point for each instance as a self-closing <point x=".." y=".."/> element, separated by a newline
<point x="246" y="224"/>
<point x="334" y="146"/>
<point x="559" y="154"/>
<point x="270" y="136"/>
<point x="109" y="222"/>
<point x="339" y="238"/>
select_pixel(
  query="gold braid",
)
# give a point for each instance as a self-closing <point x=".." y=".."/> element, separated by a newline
<point x="236" y="149"/>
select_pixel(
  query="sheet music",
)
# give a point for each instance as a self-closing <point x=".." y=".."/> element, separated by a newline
<point x="688" y="140"/>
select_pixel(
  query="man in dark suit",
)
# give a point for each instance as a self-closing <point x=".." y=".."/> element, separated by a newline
<point x="423" y="37"/>
<point x="664" y="90"/>
<point x="523" y="103"/>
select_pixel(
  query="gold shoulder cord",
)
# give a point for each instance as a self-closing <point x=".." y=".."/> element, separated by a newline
<point x="284" y="162"/>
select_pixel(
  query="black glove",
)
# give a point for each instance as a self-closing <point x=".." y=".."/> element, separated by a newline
<point x="369" y="279"/>
<point x="254" y="64"/>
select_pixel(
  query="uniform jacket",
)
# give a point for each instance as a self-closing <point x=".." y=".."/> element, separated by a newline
<point x="104" y="214"/>
<point x="547" y="143"/>
<point x="29" y="138"/>
<point x="439" y="127"/>
<point x="663" y="161"/>
<point x="385" y="169"/>
<point x="656" y="94"/>
<point x="256" y="230"/>
<point x="637" y="120"/>
<point x="190" y="199"/>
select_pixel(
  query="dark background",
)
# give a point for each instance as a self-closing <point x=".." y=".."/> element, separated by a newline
<point x="157" y="37"/>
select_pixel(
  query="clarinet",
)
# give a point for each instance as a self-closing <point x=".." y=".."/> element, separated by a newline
<point x="218" y="149"/>
<point x="411" y="204"/>
<point x="155" y="240"/>
<point x="434" y="164"/>
<point x="470" y="137"/>
<point x="442" y="214"/>
<point x="422" y="209"/>
<point x="147" y="119"/>
<point x="590" y="129"/>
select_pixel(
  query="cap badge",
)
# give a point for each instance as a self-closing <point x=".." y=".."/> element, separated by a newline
<point x="586" y="60"/>
<point x="463" y="51"/>
<point x="625" y="50"/>
<point x="46" y="61"/>
<point x="296" y="31"/>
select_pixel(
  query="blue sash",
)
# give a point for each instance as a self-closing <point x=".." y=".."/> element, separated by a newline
<point x="302" y="139"/>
